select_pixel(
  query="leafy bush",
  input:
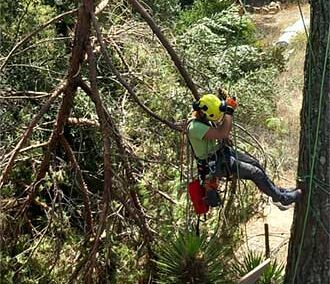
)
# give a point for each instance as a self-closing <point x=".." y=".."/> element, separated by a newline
<point x="201" y="9"/>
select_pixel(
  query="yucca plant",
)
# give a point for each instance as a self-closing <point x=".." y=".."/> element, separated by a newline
<point x="192" y="259"/>
<point x="272" y="274"/>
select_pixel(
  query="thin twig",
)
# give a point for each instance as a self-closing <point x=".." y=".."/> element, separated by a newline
<point x="22" y="95"/>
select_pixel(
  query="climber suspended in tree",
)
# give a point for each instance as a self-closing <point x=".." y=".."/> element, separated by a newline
<point x="208" y="133"/>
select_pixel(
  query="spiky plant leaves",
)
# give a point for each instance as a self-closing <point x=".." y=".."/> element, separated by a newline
<point x="251" y="260"/>
<point x="191" y="259"/>
<point x="272" y="274"/>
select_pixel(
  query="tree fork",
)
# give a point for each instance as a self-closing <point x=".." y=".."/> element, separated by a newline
<point x="145" y="228"/>
<point x="137" y="213"/>
<point x="81" y="37"/>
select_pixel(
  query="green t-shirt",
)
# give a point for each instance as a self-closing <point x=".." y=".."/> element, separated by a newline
<point x="202" y="147"/>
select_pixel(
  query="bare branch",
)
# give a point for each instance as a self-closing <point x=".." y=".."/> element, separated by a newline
<point x="26" y="38"/>
<point x="40" y="42"/>
<point x="81" y="37"/>
<point x="107" y="173"/>
<point x="5" y="95"/>
<point x="28" y="132"/>
<point x="130" y="179"/>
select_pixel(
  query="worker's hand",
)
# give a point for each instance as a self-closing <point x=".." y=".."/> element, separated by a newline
<point x="231" y="105"/>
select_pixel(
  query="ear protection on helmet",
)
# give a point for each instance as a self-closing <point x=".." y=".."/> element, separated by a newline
<point x="211" y="106"/>
<point x="196" y="106"/>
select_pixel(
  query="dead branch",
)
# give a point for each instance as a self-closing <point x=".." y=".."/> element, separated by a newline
<point x="82" y="184"/>
<point x="10" y="94"/>
<point x="135" y="211"/>
<point x="177" y="61"/>
<point x="106" y="159"/>
<point x="35" y="146"/>
<point x="26" y="38"/>
<point x="28" y="133"/>
<point x="122" y="81"/>
<point x="40" y="42"/>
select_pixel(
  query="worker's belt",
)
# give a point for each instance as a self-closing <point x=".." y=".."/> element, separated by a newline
<point x="209" y="165"/>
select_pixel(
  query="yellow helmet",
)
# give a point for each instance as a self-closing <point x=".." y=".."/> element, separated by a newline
<point x="210" y="105"/>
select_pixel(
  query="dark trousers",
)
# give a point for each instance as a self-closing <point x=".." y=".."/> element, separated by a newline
<point x="244" y="166"/>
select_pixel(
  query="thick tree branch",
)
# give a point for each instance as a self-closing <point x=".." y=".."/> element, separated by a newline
<point x="123" y="153"/>
<point x="177" y="61"/>
<point x="81" y="38"/>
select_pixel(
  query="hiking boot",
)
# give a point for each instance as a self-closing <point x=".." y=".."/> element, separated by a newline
<point x="282" y="207"/>
<point x="289" y="197"/>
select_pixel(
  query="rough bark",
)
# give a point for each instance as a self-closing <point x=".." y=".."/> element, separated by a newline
<point x="308" y="257"/>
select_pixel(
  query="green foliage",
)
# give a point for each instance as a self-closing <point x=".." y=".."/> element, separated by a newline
<point x="39" y="62"/>
<point x="191" y="259"/>
<point x="272" y="274"/>
<point x="201" y="9"/>
<point x="164" y="11"/>
<point x="256" y="95"/>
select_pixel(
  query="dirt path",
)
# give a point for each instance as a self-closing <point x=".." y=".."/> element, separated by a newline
<point x="273" y="26"/>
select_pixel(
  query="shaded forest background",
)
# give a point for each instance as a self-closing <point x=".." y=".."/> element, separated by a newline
<point x="50" y="229"/>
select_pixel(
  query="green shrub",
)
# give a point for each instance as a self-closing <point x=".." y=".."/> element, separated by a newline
<point x="192" y="259"/>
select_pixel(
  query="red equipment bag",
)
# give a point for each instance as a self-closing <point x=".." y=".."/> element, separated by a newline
<point x="197" y="194"/>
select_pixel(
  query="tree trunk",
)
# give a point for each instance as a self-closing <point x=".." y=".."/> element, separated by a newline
<point x="308" y="258"/>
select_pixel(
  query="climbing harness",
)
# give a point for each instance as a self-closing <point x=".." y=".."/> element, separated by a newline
<point x="203" y="191"/>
